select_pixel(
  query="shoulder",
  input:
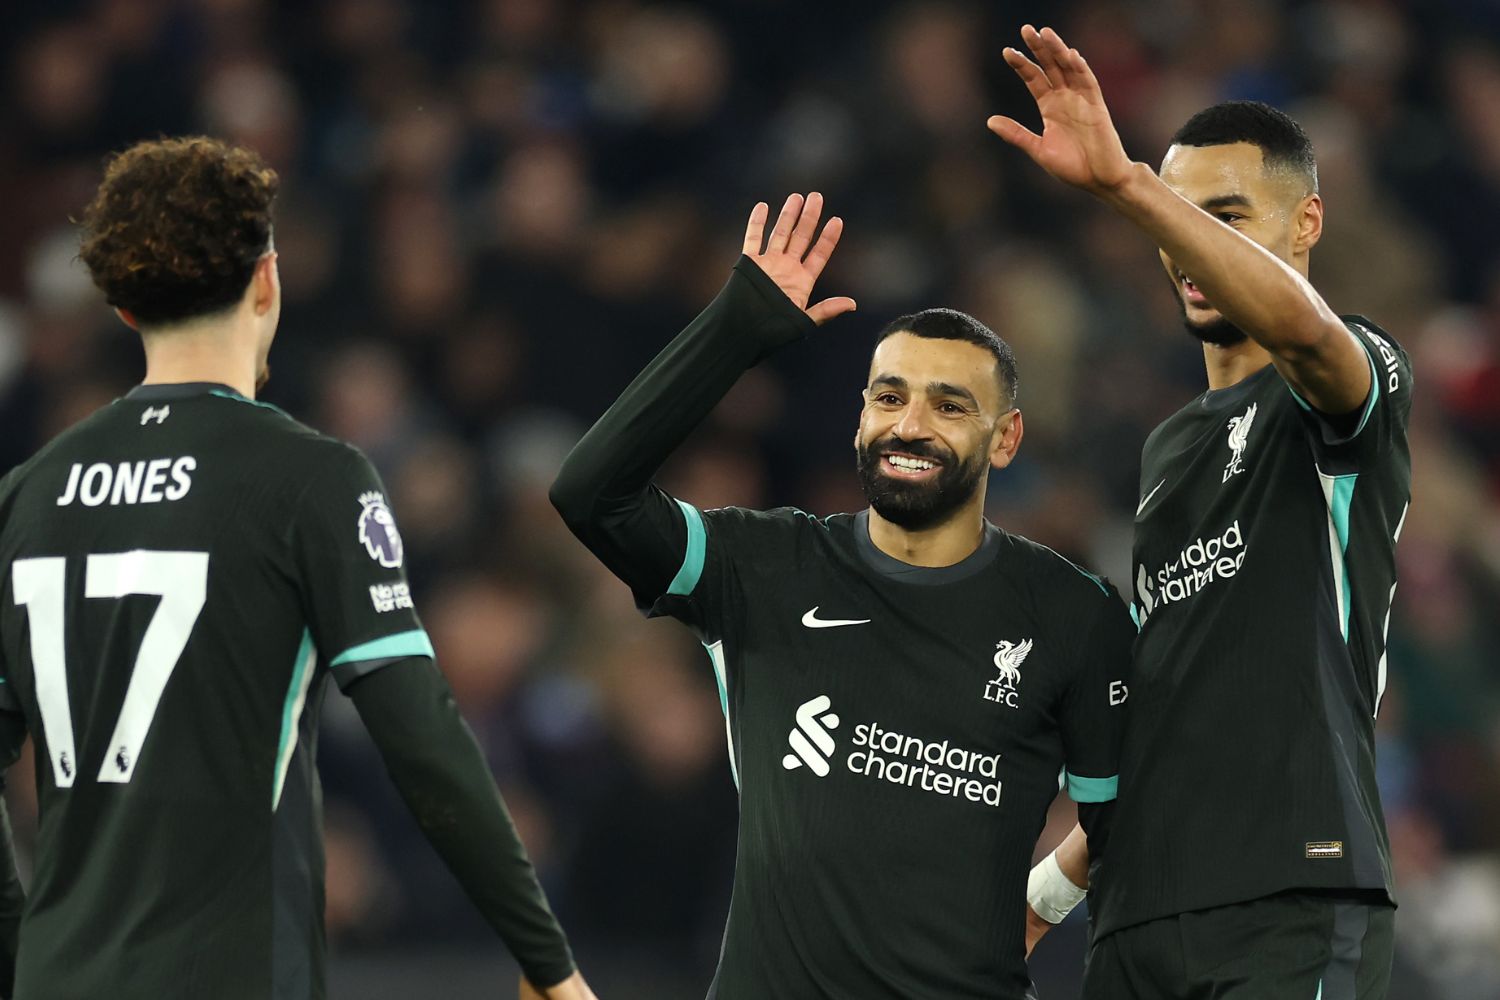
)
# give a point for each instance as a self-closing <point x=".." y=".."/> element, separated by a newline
<point x="1060" y="573"/>
<point x="62" y="444"/>
<point x="778" y="522"/>
<point x="305" y="450"/>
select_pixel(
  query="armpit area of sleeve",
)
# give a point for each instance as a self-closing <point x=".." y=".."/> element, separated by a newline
<point x="368" y="657"/>
<point x="1341" y="429"/>
<point x="690" y="571"/>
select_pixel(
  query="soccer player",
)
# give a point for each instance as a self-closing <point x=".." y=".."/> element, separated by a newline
<point x="1249" y="856"/>
<point x="182" y="572"/>
<point x="902" y="687"/>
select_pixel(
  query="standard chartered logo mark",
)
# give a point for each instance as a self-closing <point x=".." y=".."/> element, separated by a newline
<point x="811" y="742"/>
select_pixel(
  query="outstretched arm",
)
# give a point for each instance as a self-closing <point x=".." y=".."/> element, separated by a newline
<point x="439" y="770"/>
<point x="604" y="489"/>
<point x="1253" y="289"/>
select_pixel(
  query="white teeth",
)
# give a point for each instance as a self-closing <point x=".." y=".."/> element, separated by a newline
<point x="909" y="464"/>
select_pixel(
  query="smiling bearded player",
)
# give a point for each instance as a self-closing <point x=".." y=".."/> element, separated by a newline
<point x="1249" y="857"/>
<point x="901" y="686"/>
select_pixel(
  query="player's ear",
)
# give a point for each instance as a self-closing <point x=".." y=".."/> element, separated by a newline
<point x="128" y="318"/>
<point x="1006" y="439"/>
<point x="1309" y="222"/>
<point x="265" y="284"/>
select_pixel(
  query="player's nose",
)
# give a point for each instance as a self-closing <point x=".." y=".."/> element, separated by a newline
<point x="911" y="424"/>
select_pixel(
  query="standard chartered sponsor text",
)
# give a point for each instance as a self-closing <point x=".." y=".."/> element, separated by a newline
<point x="1200" y="563"/>
<point x="932" y="766"/>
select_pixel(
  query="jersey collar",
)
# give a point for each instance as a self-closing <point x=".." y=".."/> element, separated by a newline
<point x="894" y="569"/>
<point x="159" y="391"/>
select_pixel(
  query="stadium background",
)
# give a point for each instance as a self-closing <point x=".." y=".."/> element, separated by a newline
<point x="494" y="212"/>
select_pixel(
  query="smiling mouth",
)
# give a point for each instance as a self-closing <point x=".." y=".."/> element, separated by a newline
<point x="908" y="465"/>
<point x="1191" y="293"/>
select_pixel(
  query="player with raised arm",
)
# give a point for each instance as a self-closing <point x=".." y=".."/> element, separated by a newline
<point x="1249" y="856"/>
<point x="183" y="571"/>
<point x="902" y="687"/>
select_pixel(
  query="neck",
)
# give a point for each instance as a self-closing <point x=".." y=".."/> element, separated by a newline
<point x="201" y="351"/>
<point x="1228" y="366"/>
<point x="944" y="544"/>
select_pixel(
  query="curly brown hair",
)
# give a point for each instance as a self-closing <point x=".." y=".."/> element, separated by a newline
<point x="176" y="227"/>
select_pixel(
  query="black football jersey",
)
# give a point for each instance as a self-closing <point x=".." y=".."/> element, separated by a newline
<point x="897" y="734"/>
<point x="182" y="572"/>
<point x="1264" y="572"/>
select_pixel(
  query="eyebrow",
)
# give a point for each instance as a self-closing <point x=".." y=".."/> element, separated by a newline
<point x="933" y="388"/>
<point x="1225" y="201"/>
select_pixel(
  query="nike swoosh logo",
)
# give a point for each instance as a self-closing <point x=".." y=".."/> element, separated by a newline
<point x="1147" y="498"/>
<point x="811" y="620"/>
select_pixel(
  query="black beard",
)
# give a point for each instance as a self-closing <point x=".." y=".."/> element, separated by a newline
<point x="1220" y="333"/>
<point x="912" y="505"/>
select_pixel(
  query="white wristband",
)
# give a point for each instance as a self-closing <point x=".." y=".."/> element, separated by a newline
<point x="1051" y="893"/>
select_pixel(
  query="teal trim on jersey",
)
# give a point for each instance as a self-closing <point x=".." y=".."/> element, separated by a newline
<point x="716" y="657"/>
<point x="1135" y="616"/>
<point x="1369" y="403"/>
<point x="1340" y="500"/>
<point x="412" y="643"/>
<point x="1374" y="394"/>
<point x="1093" y="789"/>
<point x="291" y="712"/>
<point x="1098" y="580"/>
<point x="1320" y="991"/>
<point x="246" y="399"/>
<point x="692" y="560"/>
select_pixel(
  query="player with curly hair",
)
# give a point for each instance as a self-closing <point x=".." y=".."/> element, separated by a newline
<point x="184" y="571"/>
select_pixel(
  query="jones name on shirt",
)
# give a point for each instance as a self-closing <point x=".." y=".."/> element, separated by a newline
<point x="145" y="481"/>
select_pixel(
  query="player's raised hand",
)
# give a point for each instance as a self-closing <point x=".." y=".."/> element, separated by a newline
<point x="1078" y="144"/>
<point x="572" y="988"/>
<point x="791" y="258"/>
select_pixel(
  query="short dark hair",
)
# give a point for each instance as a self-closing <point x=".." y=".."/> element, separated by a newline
<point x="1281" y="141"/>
<point x="950" y="324"/>
<point x="177" y="226"/>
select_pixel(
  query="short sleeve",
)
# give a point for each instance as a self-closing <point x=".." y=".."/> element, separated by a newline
<point x="1353" y="442"/>
<point x="1093" y="714"/>
<point x="351" y="563"/>
<point x="707" y="593"/>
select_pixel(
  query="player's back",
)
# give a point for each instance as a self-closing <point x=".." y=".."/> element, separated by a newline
<point x="158" y="637"/>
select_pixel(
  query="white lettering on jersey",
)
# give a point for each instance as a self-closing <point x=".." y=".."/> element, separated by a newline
<point x="128" y="482"/>
<point x="390" y="597"/>
<point x="885" y="755"/>
<point x="1200" y="563"/>
<point x="1387" y="358"/>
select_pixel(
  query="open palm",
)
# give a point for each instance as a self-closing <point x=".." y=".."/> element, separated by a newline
<point x="1078" y="144"/>
<point x="791" y="258"/>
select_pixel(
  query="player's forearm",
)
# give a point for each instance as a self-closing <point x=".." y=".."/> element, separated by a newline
<point x="1073" y="857"/>
<point x="439" y="770"/>
<point x="1273" y="304"/>
<point x="618" y="457"/>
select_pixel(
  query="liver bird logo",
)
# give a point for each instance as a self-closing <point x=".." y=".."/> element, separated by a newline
<point x="1239" y="436"/>
<point x="1008" y="659"/>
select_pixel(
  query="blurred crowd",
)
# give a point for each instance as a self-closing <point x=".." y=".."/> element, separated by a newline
<point x="494" y="212"/>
